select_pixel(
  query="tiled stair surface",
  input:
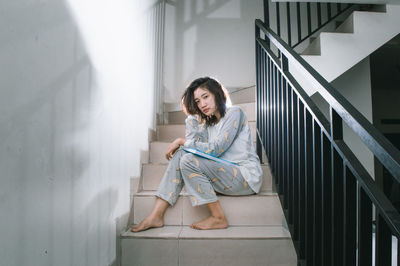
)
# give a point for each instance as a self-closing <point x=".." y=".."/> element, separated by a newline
<point x="234" y="246"/>
<point x="256" y="235"/>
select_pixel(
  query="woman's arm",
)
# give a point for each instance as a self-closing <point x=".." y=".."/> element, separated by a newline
<point x="194" y="130"/>
<point x="173" y="147"/>
<point x="231" y="126"/>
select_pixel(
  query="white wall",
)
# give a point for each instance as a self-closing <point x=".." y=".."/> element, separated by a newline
<point x="355" y="86"/>
<point x="214" y="39"/>
<point x="76" y="103"/>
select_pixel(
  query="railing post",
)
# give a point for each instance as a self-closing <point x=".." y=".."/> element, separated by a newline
<point x="327" y="201"/>
<point x="302" y="177"/>
<point x="258" y="94"/>
<point x="364" y="229"/>
<point x="337" y="190"/>
<point x="350" y="193"/>
<point x="309" y="184"/>
<point x="383" y="242"/>
<point x="295" y="166"/>
<point x="266" y="17"/>
<point x="317" y="191"/>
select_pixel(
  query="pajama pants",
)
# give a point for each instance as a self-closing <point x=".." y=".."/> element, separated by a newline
<point x="203" y="179"/>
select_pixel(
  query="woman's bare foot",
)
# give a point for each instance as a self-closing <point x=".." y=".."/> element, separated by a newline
<point x="149" y="222"/>
<point x="211" y="223"/>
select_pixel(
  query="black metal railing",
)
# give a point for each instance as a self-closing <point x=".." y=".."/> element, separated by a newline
<point x="327" y="195"/>
<point x="296" y="22"/>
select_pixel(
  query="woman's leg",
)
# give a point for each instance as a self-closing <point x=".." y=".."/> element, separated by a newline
<point x="202" y="178"/>
<point x="156" y="217"/>
<point x="216" y="220"/>
<point x="167" y="194"/>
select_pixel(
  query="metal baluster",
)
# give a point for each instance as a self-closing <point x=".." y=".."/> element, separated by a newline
<point x="329" y="10"/>
<point x="289" y="26"/>
<point x="337" y="190"/>
<point x="298" y="22"/>
<point x="278" y="20"/>
<point x="302" y="188"/>
<point x="258" y="91"/>
<point x="270" y="117"/>
<point x="267" y="107"/>
<point x="327" y="214"/>
<point x="350" y="192"/>
<point x="319" y="14"/>
<point x="383" y="242"/>
<point x="364" y="228"/>
<point x="274" y="123"/>
<point x="309" y="195"/>
<point x="317" y="191"/>
<point x="295" y="158"/>
<point x="279" y="131"/>
<point x="309" y="18"/>
<point x="289" y="159"/>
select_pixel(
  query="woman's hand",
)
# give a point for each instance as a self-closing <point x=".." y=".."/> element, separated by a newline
<point x="173" y="147"/>
<point x="184" y="110"/>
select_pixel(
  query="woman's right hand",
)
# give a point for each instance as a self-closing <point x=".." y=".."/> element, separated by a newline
<point x="184" y="110"/>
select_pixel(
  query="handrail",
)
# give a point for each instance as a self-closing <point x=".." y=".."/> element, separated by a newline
<point x="327" y="195"/>
<point x="309" y="19"/>
<point x="387" y="154"/>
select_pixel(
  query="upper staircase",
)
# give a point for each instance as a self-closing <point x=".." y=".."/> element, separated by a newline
<point x="358" y="36"/>
<point x="257" y="232"/>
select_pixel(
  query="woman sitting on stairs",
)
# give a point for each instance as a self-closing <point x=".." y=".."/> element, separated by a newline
<point x="217" y="156"/>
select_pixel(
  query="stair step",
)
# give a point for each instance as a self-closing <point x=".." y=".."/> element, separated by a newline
<point x="260" y="209"/>
<point x="182" y="245"/>
<point x="176" y="117"/>
<point x="352" y="41"/>
<point x="168" y="133"/>
<point x="153" y="173"/>
<point x="246" y="95"/>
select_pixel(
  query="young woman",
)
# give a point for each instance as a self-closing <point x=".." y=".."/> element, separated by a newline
<point x="227" y="164"/>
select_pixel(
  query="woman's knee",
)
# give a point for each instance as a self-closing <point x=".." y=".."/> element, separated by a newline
<point x="186" y="161"/>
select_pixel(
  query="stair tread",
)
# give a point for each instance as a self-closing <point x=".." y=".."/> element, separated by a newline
<point x="166" y="164"/>
<point x="146" y="193"/>
<point x="232" y="232"/>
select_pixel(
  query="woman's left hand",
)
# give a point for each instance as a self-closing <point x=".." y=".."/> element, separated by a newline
<point x="173" y="147"/>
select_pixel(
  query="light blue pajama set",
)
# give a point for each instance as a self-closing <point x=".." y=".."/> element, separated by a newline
<point x="240" y="172"/>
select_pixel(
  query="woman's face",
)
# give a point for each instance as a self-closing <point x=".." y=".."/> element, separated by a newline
<point x="205" y="101"/>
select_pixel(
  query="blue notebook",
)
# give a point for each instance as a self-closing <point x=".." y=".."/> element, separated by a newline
<point x="208" y="156"/>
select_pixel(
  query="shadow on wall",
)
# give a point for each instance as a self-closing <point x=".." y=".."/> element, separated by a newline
<point x="69" y="141"/>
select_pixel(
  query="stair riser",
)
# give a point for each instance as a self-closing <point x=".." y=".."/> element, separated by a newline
<point x="233" y="252"/>
<point x="247" y="95"/>
<point x="245" y="210"/>
<point x="153" y="173"/>
<point x="168" y="133"/>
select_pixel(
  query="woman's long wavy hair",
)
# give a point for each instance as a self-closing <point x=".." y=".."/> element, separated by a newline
<point x="215" y="88"/>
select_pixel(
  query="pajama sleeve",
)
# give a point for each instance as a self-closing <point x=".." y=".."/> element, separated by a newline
<point x="229" y="129"/>
<point x="194" y="131"/>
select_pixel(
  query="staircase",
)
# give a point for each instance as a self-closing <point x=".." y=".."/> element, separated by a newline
<point x="257" y="234"/>
<point x="333" y="53"/>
